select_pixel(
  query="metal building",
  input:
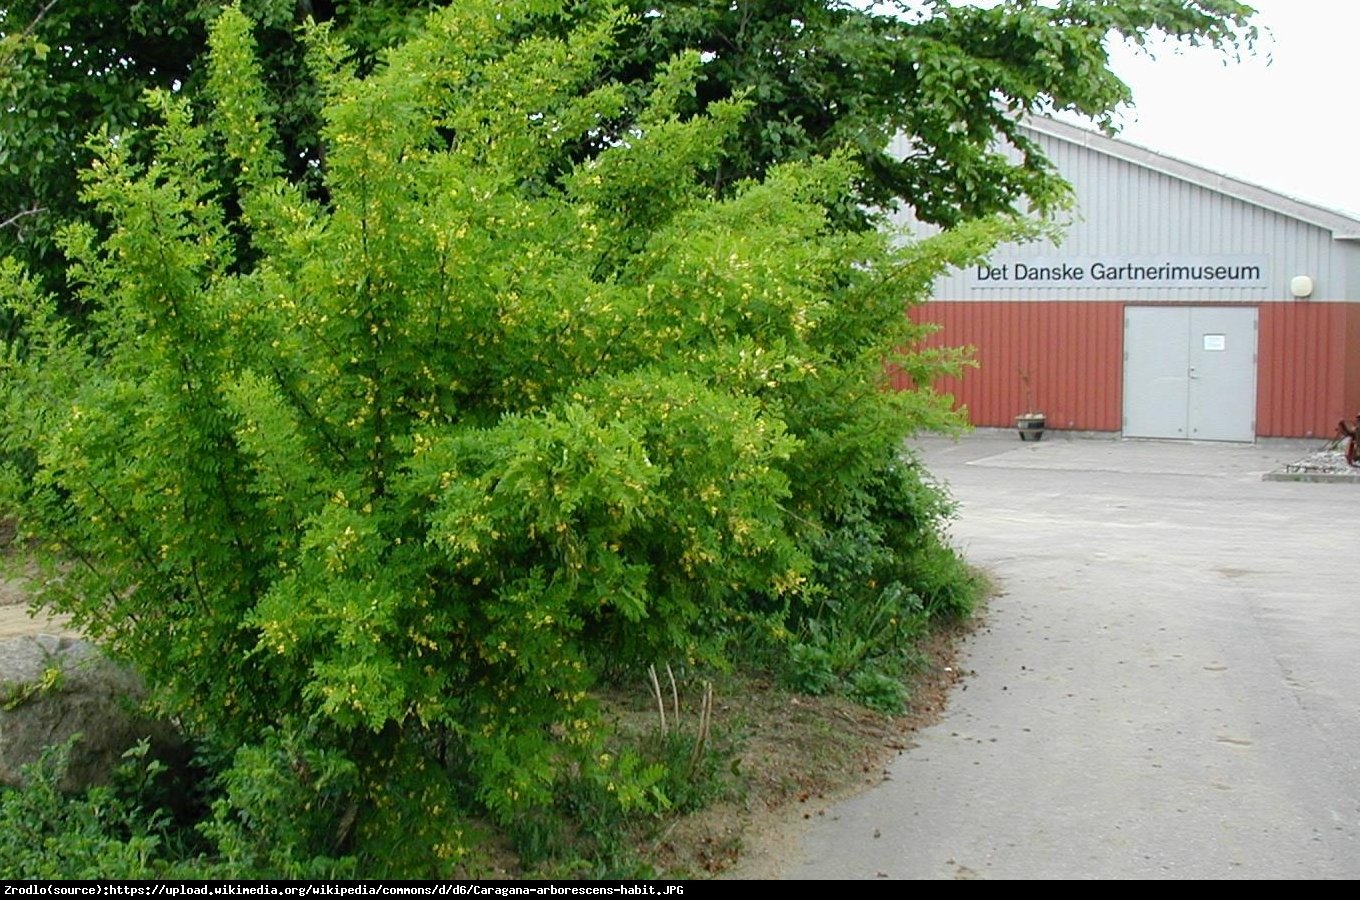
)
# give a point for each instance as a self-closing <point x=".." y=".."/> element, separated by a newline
<point x="1182" y="304"/>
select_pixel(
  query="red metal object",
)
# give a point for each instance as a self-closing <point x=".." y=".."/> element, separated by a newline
<point x="1352" y="434"/>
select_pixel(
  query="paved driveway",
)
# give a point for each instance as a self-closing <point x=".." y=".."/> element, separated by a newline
<point x="1168" y="685"/>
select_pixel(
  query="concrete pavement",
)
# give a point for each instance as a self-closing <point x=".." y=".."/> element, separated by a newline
<point x="1167" y="686"/>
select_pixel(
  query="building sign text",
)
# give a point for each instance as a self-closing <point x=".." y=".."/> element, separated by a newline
<point x="1139" y="272"/>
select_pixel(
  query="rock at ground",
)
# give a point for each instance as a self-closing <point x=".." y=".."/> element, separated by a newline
<point x="1330" y="461"/>
<point x="52" y="687"/>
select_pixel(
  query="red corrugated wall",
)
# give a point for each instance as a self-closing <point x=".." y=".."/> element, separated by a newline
<point x="1302" y="368"/>
<point x="1352" y="359"/>
<point x="1071" y="351"/>
<point x="1308" y="373"/>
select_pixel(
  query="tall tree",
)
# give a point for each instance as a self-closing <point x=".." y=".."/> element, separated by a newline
<point x="821" y="74"/>
<point x="70" y="67"/>
<point x="953" y="77"/>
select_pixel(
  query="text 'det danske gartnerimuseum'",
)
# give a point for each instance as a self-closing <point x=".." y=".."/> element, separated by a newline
<point x="1181" y="304"/>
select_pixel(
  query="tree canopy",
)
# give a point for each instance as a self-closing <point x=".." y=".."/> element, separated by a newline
<point x="820" y="74"/>
<point x="954" y="78"/>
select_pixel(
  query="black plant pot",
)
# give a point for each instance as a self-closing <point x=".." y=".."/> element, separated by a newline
<point x="1031" y="426"/>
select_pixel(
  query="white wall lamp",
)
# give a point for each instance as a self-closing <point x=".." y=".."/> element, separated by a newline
<point x="1301" y="286"/>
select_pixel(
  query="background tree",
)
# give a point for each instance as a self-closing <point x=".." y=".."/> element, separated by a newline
<point x="821" y="74"/>
<point x="69" y="67"/>
<point x="955" y="78"/>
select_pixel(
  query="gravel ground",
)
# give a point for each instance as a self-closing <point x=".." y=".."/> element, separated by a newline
<point x="1322" y="462"/>
<point x="1329" y="464"/>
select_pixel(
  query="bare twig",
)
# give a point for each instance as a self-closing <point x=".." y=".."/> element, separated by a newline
<point x="705" y="723"/>
<point x="31" y="211"/>
<point x="656" y="692"/>
<point x="42" y="13"/>
<point x="23" y="35"/>
<point x="675" y="696"/>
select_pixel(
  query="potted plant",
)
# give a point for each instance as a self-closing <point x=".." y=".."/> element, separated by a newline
<point x="1030" y="423"/>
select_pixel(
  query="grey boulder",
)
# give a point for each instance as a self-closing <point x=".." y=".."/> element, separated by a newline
<point x="53" y="687"/>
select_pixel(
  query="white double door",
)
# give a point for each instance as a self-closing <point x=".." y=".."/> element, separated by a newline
<point x="1190" y="372"/>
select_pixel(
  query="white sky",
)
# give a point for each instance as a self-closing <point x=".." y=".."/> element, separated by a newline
<point x="1285" y="119"/>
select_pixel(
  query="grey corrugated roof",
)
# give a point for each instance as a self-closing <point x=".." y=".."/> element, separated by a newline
<point x="1342" y="226"/>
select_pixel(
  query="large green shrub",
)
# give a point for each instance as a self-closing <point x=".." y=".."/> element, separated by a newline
<point x="373" y="490"/>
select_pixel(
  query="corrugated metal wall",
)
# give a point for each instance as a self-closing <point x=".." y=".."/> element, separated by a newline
<point x="1308" y="363"/>
<point x="1302" y="368"/>
<point x="1352" y="359"/>
<point x="1071" y="352"/>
